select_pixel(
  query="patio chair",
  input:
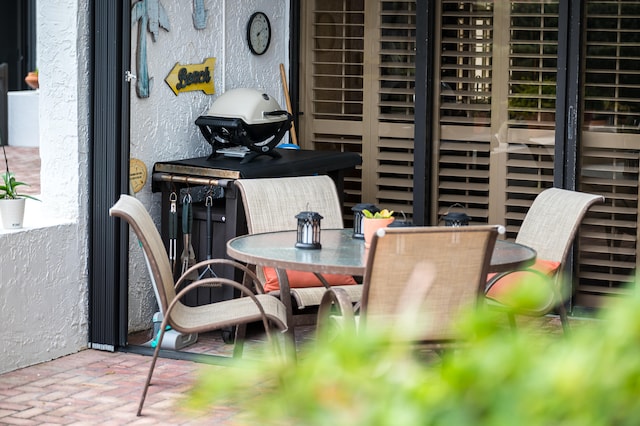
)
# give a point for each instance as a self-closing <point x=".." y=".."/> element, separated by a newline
<point x="417" y="281"/>
<point x="270" y="205"/>
<point x="198" y="319"/>
<point x="549" y="227"/>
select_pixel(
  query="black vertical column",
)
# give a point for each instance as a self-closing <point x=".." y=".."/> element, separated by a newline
<point x="108" y="264"/>
<point x="568" y="94"/>
<point x="423" y="126"/>
<point x="568" y="108"/>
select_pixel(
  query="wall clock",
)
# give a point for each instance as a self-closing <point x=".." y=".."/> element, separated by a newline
<point x="258" y="33"/>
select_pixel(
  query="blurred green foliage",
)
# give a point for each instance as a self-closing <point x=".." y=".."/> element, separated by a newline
<point x="499" y="377"/>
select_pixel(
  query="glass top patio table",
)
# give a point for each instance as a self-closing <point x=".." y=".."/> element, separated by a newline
<point x="342" y="254"/>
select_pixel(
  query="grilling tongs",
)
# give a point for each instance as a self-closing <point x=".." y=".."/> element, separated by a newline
<point x="188" y="257"/>
<point x="173" y="229"/>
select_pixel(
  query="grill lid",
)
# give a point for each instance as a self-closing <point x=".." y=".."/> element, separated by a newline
<point x="245" y="117"/>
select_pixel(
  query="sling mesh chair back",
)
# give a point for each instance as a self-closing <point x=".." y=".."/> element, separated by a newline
<point x="549" y="227"/>
<point x="419" y="278"/>
<point x="197" y="319"/>
<point x="270" y="205"/>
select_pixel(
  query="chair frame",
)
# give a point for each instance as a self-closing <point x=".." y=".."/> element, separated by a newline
<point x="294" y="194"/>
<point x="413" y="288"/>
<point x="550" y="227"/>
<point x="250" y="307"/>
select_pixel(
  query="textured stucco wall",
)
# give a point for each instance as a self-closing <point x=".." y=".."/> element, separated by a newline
<point x="42" y="296"/>
<point x="43" y="273"/>
<point x="162" y="125"/>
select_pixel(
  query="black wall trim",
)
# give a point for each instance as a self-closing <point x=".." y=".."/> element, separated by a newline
<point x="294" y="60"/>
<point x="108" y="264"/>
<point x="568" y="122"/>
<point x="423" y="128"/>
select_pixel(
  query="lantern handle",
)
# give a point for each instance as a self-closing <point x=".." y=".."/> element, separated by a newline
<point x="441" y="218"/>
<point x="453" y="205"/>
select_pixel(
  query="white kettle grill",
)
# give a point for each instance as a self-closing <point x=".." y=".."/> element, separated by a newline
<point x="247" y="118"/>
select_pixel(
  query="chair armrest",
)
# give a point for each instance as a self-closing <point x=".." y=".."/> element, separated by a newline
<point x="539" y="302"/>
<point x="207" y="282"/>
<point x="497" y="277"/>
<point x="340" y="299"/>
<point x="494" y="279"/>
<point x="248" y="272"/>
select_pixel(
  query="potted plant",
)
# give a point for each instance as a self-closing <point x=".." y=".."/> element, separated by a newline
<point x="374" y="221"/>
<point x="32" y="79"/>
<point x="11" y="203"/>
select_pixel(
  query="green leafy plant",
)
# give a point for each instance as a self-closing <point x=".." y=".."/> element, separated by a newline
<point x="8" y="189"/>
<point x="383" y="214"/>
<point x="589" y="377"/>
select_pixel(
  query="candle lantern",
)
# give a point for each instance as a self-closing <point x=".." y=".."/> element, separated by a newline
<point x="401" y="223"/>
<point x="456" y="218"/>
<point x="358" y="217"/>
<point x="308" y="230"/>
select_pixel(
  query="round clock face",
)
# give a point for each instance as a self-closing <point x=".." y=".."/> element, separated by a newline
<point x="258" y="33"/>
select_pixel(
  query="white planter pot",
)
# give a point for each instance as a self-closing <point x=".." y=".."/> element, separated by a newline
<point x="12" y="213"/>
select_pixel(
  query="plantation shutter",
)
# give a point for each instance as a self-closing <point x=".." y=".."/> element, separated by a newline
<point x="494" y="136"/>
<point x="464" y="113"/>
<point x="608" y="253"/>
<point x="530" y="138"/>
<point x="497" y="108"/>
<point x="393" y="128"/>
<point x="358" y="74"/>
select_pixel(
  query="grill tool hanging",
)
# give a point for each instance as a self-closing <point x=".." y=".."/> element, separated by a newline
<point x="208" y="271"/>
<point x="188" y="256"/>
<point x="173" y="229"/>
<point x="173" y="339"/>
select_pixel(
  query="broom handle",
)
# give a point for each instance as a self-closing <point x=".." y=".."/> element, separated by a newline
<point x="294" y="138"/>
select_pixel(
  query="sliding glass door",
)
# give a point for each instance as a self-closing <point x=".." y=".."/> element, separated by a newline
<point x="509" y="118"/>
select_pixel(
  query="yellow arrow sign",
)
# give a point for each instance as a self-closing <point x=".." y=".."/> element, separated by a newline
<point x="187" y="78"/>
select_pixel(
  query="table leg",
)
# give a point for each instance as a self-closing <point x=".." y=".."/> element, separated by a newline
<point x="285" y="297"/>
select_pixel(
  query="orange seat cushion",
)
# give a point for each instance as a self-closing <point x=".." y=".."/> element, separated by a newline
<point x="300" y="279"/>
<point x="507" y="283"/>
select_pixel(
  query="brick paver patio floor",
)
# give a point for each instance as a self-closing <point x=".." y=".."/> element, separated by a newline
<point x="98" y="387"/>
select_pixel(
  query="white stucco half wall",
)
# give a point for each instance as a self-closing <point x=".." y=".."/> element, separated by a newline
<point x="43" y="298"/>
<point x="43" y="273"/>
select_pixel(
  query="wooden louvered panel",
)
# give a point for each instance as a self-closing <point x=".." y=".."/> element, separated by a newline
<point x="529" y="169"/>
<point x="396" y="87"/>
<point x="352" y="181"/>
<point x="453" y="169"/>
<point x="612" y="54"/>
<point x="344" y="103"/>
<point x="358" y="74"/>
<point x="533" y="63"/>
<point x="391" y="153"/>
<point x="477" y="188"/>
<point x="608" y="243"/>
<point x="530" y="111"/>
<point x="610" y="153"/>
<point x="339" y="128"/>
<point x="464" y="109"/>
<point x="395" y="174"/>
<point x="337" y="59"/>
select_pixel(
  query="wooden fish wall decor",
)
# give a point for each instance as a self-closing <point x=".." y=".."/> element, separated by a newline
<point x="151" y="15"/>
<point x="199" y="15"/>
